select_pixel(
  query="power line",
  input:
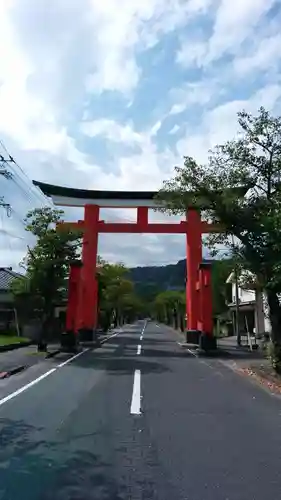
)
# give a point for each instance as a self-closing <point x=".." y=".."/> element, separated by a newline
<point x="7" y="175"/>
<point x="24" y="183"/>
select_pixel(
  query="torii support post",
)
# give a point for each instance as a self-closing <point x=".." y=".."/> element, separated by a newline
<point x="69" y="338"/>
<point x="88" y="300"/>
<point x="194" y="258"/>
<point x="205" y="323"/>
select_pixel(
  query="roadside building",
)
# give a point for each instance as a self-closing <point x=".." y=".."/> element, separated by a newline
<point x="253" y="309"/>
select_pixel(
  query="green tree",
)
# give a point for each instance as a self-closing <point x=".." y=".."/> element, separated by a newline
<point x="169" y="307"/>
<point x="118" y="302"/>
<point x="249" y="164"/>
<point x="47" y="265"/>
<point x="28" y="305"/>
<point x="221" y="270"/>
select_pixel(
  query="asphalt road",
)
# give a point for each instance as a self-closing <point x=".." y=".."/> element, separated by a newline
<point x="138" y="419"/>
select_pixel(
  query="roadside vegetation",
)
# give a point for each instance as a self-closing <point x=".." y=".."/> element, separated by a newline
<point x="239" y="186"/>
<point x="12" y="339"/>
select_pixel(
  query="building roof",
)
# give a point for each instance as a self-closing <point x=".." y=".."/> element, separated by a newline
<point x="6" y="277"/>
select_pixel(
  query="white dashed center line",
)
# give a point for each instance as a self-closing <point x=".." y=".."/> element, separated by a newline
<point x="136" y="397"/>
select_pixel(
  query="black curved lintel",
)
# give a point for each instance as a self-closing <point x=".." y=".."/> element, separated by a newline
<point x="67" y="192"/>
<point x="52" y="190"/>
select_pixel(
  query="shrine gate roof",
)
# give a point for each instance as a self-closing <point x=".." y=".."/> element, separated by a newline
<point x="73" y="197"/>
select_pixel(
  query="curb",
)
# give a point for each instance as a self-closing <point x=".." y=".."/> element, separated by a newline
<point x="13" y="371"/>
<point x="20" y="368"/>
<point x="214" y="353"/>
<point x="52" y="354"/>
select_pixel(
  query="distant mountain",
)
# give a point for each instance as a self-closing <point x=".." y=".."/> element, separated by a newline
<point x="151" y="280"/>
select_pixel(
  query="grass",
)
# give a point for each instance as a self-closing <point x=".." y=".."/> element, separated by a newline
<point x="9" y="339"/>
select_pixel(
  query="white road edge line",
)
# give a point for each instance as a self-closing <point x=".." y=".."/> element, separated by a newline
<point x="193" y="353"/>
<point x="27" y="386"/>
<point x="73" y="357"/>
<point x="139" y="349"/>
<point x="33" y="382"/>
<point x="136" y="396"/>
<point x="110" y="337"/>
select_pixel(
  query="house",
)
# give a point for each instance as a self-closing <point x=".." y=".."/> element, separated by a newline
<point x="7" y="311"/>
<point x="252" y="304"/>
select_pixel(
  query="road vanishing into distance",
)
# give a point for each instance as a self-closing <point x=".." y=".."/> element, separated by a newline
<point x="140" y="418"/>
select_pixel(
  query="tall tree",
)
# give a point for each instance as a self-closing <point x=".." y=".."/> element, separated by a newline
<point x="47" y="264"/>
<point x="221" y="270"/>
<point x="169" y="307"/>
<point x="117" y="299"/>
<point x="252" y="161"/>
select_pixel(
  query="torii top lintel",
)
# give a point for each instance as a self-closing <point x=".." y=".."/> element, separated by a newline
<point x="72" y="197"/>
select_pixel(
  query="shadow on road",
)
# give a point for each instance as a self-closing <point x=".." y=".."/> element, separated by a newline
<point x="159" y="340"/>
<point x="34" y="467"/>
<point x="160" y="353"/>
<point x="239" y="353"/>
<point x="122" y="365"/>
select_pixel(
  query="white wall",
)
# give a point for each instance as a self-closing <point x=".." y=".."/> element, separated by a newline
<point x="244" y="295"/>
<point x="261" y="314"/>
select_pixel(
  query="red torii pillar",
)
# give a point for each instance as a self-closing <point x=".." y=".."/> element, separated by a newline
<point x="194" y="258"/>
<point x="205" y="323"/>
<point x="207" y="339"/>
<point x="71" y="325"/>
<point x="88" y="293"/>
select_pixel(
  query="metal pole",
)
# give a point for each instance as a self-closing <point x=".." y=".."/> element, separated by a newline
<point x="16" y="321"/>
<point x="237" y="330"/>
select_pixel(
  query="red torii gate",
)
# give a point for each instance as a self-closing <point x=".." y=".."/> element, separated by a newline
<point x="82" y="312"/>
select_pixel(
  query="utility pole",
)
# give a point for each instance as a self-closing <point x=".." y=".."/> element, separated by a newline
<point x="237" y="329"/>
<point x="5" y="173"/>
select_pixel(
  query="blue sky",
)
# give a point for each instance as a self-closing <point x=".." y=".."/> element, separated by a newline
<point x="112" y="94"/>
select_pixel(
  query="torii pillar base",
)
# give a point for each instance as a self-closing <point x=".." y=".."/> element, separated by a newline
<point x="69" y="338"/>
<point x="207" y="340"/>
<point x="207" y="343"/>
<point x="88" y="335"/>
<point x="69" y="341"/>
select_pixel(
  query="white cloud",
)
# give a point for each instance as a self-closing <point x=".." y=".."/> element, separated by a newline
<point x="232" y="26"/>
<point x="192" y="53"/>
<point x="175" y="129"/>
<point x="125" y="27"/>
<point x="219" y="124"/>
<point x="112" y="131"/>
<point x="265" y="55"/>
<point x="199" y="93"/>
<point x="156" y="127"/>
<point x="142" y="170"/>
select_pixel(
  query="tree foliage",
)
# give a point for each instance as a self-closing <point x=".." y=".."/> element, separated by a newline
<point x="47" y="263"/>
<point x="118" y="302"/>
<point x="221" y="270"/>
<point x="251" y="163"/>
<point x="169" y="307"/>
